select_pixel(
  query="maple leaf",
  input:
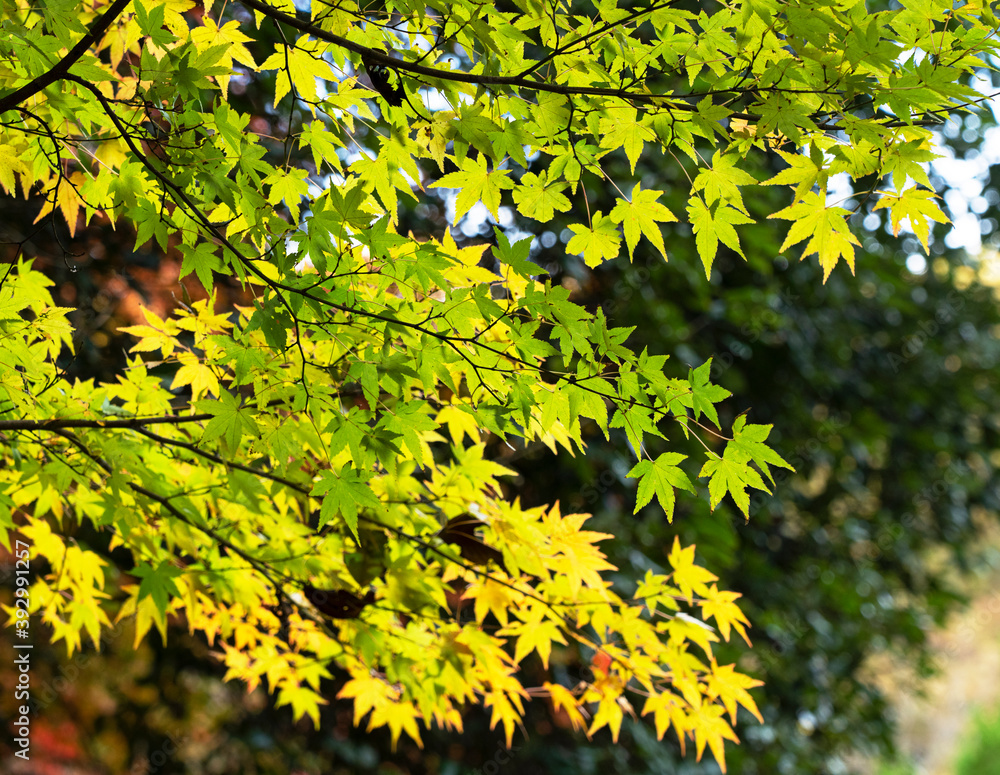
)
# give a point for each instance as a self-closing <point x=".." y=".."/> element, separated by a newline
<point x="731" y="473"/>
<point x="709" y="727"/>
<point x="908" y="160"/>
<point x="324" y="143"/>
<point x="640" y="217"/>
<point x="202" y="259"/>
<point x="803" y="171"/>
<point x="826" y="228"/>
<point x="731" y="687"/>
<point x="599" y="243"/>
<point x="10" y="164"/>
<point x="490" y="597"/>
<point x="722" y="180"/>
<point x="749" y="440"/>
<point x="344" y="493"/>
<point x="918" y="205"/>
<point x="230" y="420"/>
<point x="288" y="187"/>
<point x="538" y="636"/>
<point x="298" y="67"/>
<point x="659" y="477"/>
<point x="721" y="606"/>
<point x="622" y="130"/>
<point x="667" y="708"/>
<point x="537" y="198"/>
<point x="688" y="577"/>
<point x="399" y="716"/>
<point x="609" y="714"/>
<point x="475" y="183"/>
<point x="714" y="225"/>
<point x="704" y="395"/>
<point x="158" y="583"/>
<point x="564" y="700"/>
<point x="304" y="701"/>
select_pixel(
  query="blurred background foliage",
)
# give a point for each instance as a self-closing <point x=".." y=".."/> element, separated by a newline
<point x="884" y="389"/>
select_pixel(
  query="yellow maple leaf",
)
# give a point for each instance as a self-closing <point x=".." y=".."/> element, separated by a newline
<point x="200" y="376"/>
<point x="689" y="577"/>
<point x="727" y="614"/>
<point x="369" y="692"/>
<point x="731" y="687"/>
<point x="9" y="164"/>
<point x="709" y="727"/>
<point x="399" y="717"/>
<point x="538" y="636"/>
<point x="491" y="597"/>
<point x="609" y="714"/>
<point x="667" y="708"/>
<point x="564" y="700"/>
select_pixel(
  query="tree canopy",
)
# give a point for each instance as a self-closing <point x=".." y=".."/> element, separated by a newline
<point x="312" y="480"/>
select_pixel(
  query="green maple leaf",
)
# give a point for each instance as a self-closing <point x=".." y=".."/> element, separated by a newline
<point x="151" y="24"/>
<point x="597" y="244"/>
<point x="515" y="255"/>
<point x="907" y="160"/>
<point x="826" y="228"/>
<point x="244" y="359"/>
<point x="916" y="204"/>
<point x="510" y="141"/>
<point x="710" y="228"/>
<point x="803" y="172"/>
<point x="749" y="440"/>
<point x="732" y="473"/>
<point x="323" y="142"/>
<point x="622" y="130"/>
<point x="640" y="216"/>
<point x="344" y="493"/>
<point x="475" y="182"/>
<point x="201" y="259"/>
<point x="288" y="187"/>
<point x="659" y="477"/>
<point x="230" y="421"/>
<point x="722" y="180"/>
<point x="537" y="198"/>
<point x="349" y="430"/>
<point x="704" y="395"/>
<point x="636" y="421"/>
<point x="158" y="582"/>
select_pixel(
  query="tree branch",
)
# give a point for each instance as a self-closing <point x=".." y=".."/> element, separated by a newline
<point x="377" y="57"/>
<point x="62" y="67"/>
<point x="59" y="423"/>
<point x="381" y="58"/>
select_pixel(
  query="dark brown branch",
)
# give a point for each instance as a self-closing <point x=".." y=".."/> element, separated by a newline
<point x="560" y="50"/>
<point x="223" y="462"/>
<point x="59" y="423"/>
<point x="376" y="57"/>
<point x="256" y="564"/>
<point x="62" y="67"/>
